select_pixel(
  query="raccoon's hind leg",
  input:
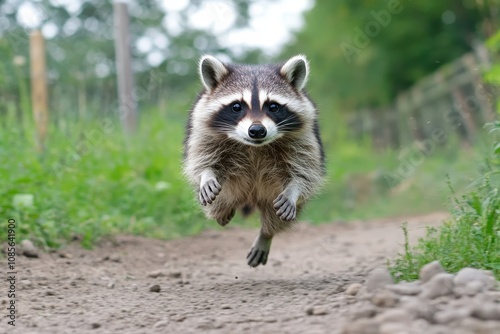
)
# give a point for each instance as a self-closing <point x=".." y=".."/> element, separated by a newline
<point x="271" y="224"/>
<point x="221" y="212"/>
<point x="209" y="187"/>
<point x="260" y="249"/>
<point x="222" y="209"/>
<point x="224" y="217"/>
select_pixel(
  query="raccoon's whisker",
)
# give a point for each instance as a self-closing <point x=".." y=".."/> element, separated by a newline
<point x="223" y="125"/>
<point x="287" y="126"/>
<point x="283" y="121"/>
<point x="291" y="123"/>
<point x="286" y="120"/>
<point x="291" y="119"/>
<point x="226" y="128"/>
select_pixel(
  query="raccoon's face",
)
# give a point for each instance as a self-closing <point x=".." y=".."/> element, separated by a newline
<point x="254" y="104"/>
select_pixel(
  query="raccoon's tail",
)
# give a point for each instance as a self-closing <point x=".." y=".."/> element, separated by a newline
<point x="246" y="210"/>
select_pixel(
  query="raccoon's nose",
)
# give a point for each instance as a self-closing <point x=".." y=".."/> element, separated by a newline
<point x="257" y="131"/>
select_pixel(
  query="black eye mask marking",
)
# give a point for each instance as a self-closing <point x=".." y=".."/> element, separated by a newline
<point x="284" y="118"/>
<point x="228" y="116"/>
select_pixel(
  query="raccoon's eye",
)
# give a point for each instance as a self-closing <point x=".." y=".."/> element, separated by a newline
<point x="236" y="107"/>
<point x="274" y="107"/>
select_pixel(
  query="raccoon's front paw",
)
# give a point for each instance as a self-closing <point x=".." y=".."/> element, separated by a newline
<point x="209" y="191"/>
<point x="285" y="208"/>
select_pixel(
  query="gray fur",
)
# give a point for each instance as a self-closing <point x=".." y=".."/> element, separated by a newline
<point x="276" y="178"/>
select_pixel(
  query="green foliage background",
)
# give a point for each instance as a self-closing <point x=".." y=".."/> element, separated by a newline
<point x="414" y="43"/>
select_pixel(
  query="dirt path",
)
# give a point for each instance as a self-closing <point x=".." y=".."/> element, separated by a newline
<point x="205" y="284"/>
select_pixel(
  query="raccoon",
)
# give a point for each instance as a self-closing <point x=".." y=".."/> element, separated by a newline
<point x="253" y="142"/>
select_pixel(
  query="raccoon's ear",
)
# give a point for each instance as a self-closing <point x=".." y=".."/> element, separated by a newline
<point x="296" y="71"/>
<point x="212" y="70"/>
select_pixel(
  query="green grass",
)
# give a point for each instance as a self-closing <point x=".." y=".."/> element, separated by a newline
<point x="472" y="237"/>
<point x="91" y="183"/>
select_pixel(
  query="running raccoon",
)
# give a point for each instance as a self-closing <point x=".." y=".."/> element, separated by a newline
<point x="252" y="142"/>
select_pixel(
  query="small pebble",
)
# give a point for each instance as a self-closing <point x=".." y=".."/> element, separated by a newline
<point x="378" y="279"/>
<point x="430" y="270"/>
<point x="209" y="325"/>
<point x="154" y="288"/>
<point x="175" y="274"/>
<point x="26" y="282"/>
<point x="364" y="312"/>
<point x="470" y="289"/>
<point x="353" y="289"/>
<point x="362" y="326"/>
<point x="161" y="323"/>
<point x="394" y="315"/>
<point x="115" y="258"/>
<point x="319" y="310"/>
<point x="65" y="255"/>
<point x="467" y="275"/>
<point x="28" y="249"/>
<point x="405" y="289"/>
<point x="419" y="309"/>
<point x="472" y="325"/>
<point x="393" y="328"/>
<point x="486" y="311"/>
<point x="449" y="315"/>
<point x="178" y="318"/>
<point x="439" y="285"/>
<point x="156" y="273"/>
<point x="384" y="299"/>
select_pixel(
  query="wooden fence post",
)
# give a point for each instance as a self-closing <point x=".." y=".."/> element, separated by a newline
<point x="39" y="97"/>
<point x="403" y="111"/>
<point x="128" y="107"/>
<point x="392" y="127"/>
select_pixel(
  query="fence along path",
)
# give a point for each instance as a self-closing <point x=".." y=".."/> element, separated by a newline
<point x="453" y="100"/>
